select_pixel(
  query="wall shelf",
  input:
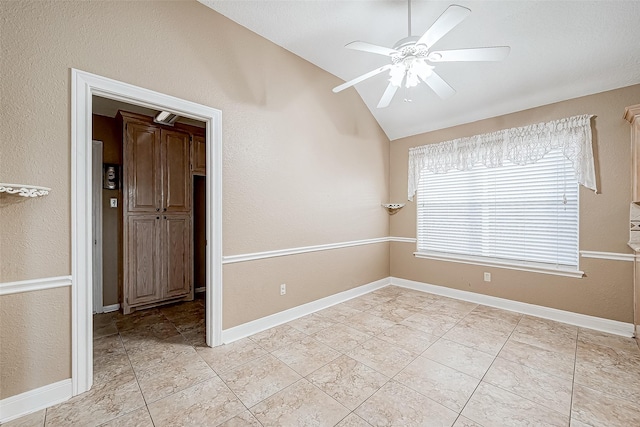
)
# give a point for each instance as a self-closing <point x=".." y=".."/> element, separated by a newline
<point x="393" y="208"/>
<point x="23" y="190"/>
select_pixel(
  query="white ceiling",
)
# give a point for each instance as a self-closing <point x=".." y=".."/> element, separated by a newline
<point x="559" y="50"/>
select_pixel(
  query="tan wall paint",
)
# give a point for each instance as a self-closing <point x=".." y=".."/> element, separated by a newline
<point x="606" y="291"/>
<point x="302" y="166"/>
<point x="41" y="342"/>
<point x="256" y="291"/>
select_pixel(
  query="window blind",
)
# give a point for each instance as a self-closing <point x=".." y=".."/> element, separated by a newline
<point x="514" y="213"/>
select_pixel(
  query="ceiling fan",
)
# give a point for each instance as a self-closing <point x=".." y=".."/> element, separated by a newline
<point x="412" y="57"/>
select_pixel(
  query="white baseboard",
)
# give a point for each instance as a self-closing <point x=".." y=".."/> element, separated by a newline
<point x="200" y="289"/>
<point x="264" y="323"/>
<point x="576" y="319"/>
<point x="110" y="308"/>
<point x="34" y="400"/>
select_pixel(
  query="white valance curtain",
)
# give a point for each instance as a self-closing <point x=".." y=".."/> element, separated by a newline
<point x="523" y="145"/>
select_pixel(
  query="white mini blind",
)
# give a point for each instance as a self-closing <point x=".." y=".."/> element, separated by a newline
<point x="515" y="213"/>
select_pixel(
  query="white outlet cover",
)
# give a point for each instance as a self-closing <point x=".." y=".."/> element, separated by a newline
<point x="113" y="202"/>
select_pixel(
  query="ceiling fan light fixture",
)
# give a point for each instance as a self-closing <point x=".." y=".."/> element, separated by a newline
<point x="396" y="74"/>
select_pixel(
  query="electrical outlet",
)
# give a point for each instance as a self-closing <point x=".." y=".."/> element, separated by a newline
<point x="283" y="289"/>
<point x="113" y="202"/>
<point x="487" y="277"/>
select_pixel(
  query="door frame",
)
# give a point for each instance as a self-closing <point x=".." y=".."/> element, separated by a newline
<point x="83" y="86"/>
<point x="96" y="188"/>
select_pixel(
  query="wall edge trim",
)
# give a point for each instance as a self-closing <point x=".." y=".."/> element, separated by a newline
<point x="230" y="259"/>
<point x="582" y="320"/>
<point x="8" y="288"/>
<point x="110" y="308"/>
<point x="244" y="330"/>
<point x="614" y="256"/>
<point x="35" y="400"/>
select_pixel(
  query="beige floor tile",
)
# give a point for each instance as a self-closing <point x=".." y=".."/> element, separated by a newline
<point x="306" y="355"/>
<point x="465" y="422"/>
<point x="454" y="307"/>
<point x="361" y="303"/>
<point x="389" y="291"/>
<point x="598" y="409"/>
<point x="558" y="364"/>
<point x="462" y="358"/>
<point x="258" y="379"/>
<point x="487" y="341"/>
<point x="141" y="338"/>
<point x="348" y="381"/>
<point x="610" y="370"/>
<point x="446" y="386"/>
<point x="368" y="323"/>
<point x="244" y="419"/>
<point x="231" y="355"/>
<point x="547" y="334"/>
<point x="352" y="420"/>
<point x="35" y="419"/>
<point x="576" y="423"/>
<point x="157" y="352"/>
<point x="312" y="323"/>
<point x="418" y="301"/>
<point x="207" y="403"/>
<point x="138" y="418"/>
<point x="138" y="319"/>
<point x="410" y="339"/>
<point x="338" y="312"/>
<point x="397" y="405"/>
<point x="431" y="323"/>
<point x="341" y="337"/>
<point x="297" y="405"/>
<point x="385" y="358"/>
<point x="488" y="319"/>
<point x="165" y="377"/>
<point x="393" y="312"/>
<point x="104" y="325"/>
<point x="109" y="358"/>
<point x="492" y="406"/>
<point x="588" y="336"/>
<point x="277" y="337"/>
<point x="540" y="387"/>
<point x="102" y="403"/>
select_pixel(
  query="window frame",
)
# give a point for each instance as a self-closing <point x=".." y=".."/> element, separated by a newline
<point x="519" y="265"/>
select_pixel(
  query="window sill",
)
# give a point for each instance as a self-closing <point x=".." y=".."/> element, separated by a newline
<point x="510" y="265"/>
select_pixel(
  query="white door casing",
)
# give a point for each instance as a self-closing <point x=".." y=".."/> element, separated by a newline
<point x="83" y="86"/>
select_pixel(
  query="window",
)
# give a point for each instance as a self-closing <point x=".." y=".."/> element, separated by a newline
<point x="513" y="215"/>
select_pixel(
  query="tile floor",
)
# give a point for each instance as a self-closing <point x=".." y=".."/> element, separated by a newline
<point x="394" y="357"/>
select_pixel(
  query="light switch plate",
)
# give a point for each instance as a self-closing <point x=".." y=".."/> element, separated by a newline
<point x="113" y="202"/>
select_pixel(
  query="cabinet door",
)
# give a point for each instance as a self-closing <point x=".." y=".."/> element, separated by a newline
<point x="176" y="173"/>
<point x="142" y="168"/>
<point x="177" y="263"/>
<point x="199" y="155"/>
<point x="143" y="259"/>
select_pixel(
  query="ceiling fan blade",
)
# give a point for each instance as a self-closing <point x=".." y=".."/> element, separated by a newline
<point x="446" y="22"/>
<point x="361" y="78"/>
<point x="495" y="53"/>
<point x="387" y="96"/>
<point x="439" y="86"/>
<point x="372" y="48"/>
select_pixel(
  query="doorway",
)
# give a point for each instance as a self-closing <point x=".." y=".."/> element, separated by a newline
<point x="84" y="86"/>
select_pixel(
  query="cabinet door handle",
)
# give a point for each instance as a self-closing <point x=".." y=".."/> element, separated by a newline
<point x="157" y="217"/>
<point x="157" y="209"/>
<point x="165" y="217"/>
<point x="164" y="210"/>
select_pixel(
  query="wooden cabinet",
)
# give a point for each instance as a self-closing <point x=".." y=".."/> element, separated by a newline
<point x="157" y="213"/>
<point x="199" y="155"/>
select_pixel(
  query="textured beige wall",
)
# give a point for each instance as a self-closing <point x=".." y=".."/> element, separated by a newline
<point x="606" y="291"/>
<point x="302" y="166"/>
<point x="257" y="290"/>
<point x="26" y="321"/>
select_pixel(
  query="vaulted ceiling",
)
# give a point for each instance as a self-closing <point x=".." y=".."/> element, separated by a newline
<point x="559" y="50"/>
